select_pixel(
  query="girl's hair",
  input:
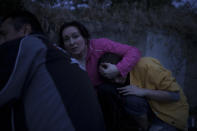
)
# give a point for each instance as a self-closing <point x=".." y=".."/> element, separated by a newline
<point x="82" y="30"/>
<point x="110" y="58"/>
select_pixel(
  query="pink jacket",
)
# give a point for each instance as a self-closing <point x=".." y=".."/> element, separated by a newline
<point x="98" y="47"/>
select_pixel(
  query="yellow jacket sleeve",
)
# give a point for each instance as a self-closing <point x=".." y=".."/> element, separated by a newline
<point x="160" y="77"/>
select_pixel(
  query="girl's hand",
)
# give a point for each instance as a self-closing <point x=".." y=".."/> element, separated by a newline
<point x="132" y="90"/>
<point x="108" y="70"/>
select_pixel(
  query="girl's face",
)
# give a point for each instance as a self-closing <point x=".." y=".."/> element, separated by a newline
<point x="73" y="41"/>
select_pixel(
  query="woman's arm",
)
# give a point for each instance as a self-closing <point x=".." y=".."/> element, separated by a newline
<point x="130" y="55"/>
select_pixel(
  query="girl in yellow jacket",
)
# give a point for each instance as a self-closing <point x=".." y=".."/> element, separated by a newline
<point x="150" y="94"/>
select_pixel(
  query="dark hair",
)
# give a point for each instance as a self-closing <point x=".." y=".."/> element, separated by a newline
<point x="82" y="30"/>
<point x="109" y="58"/>
<point x="24" y="17"/>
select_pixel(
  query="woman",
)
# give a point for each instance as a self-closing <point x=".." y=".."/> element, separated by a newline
<point x="75" y="39"/>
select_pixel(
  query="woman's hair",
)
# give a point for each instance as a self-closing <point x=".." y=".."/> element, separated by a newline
<point x="82" y="30"/>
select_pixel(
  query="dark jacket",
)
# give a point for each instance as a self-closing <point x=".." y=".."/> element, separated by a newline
<point x="45" y="92"/>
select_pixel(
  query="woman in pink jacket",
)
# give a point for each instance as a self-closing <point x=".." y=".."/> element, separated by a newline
<point x="75" y="39"/>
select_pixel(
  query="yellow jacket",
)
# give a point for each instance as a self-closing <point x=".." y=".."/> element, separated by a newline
<point x="150" y="74"/>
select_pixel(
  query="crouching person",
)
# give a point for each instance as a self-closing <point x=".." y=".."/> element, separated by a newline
<point x="149" y="94"/>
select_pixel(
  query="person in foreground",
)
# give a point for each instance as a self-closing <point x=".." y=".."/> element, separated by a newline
<point x="149" y="94"/>
<point x="38" y="86"/>
<point x="75" y="39"/>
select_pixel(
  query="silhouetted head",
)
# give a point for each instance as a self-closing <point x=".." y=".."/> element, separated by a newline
<point x="18" y="24"/>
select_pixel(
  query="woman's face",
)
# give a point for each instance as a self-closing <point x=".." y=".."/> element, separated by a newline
<point x="73" y="41"/>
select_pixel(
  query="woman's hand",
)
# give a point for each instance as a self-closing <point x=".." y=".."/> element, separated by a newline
<point x="132" y="90"/>
<point x="108" y="70"/>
